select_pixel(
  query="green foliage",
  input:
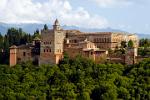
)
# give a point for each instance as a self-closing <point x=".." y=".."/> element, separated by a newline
<point x="123" y="48"/>
<point x="37" y="34"/>
<point x="1" y="41"/>
<point x="13" y="37"/>
<point x="45" y="27"/>
<point x="75" y="79"/>
<point x="144" y="43"/>
<point x="144" y="49"/>
<point x="130" y="43"/>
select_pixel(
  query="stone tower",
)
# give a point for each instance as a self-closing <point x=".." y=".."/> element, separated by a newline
<point x="52" y="44"/>
<point x="13" y="55"/>
<point x="59" y="36"/>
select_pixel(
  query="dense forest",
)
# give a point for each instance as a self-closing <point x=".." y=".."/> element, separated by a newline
<point x="75" y="79"/>
<point x="144" y="49"/>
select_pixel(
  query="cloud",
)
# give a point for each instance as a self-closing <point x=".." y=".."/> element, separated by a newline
<point x="113" y="3"/>
<point x="29" y="11"/>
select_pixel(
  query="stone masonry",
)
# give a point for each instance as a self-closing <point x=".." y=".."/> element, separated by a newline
<point x="49" y="49"/>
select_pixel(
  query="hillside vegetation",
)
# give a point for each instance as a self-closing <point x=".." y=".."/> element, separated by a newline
<point x="75" y="79"/>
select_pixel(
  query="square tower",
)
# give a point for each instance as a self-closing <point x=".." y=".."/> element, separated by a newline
<point x="52" y="45"/>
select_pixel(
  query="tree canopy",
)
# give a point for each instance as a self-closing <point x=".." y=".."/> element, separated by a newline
<point x="12" y="37"/>
<point x="75" y="79"/>
<point x="130" y="44"/>
<point x="144" y="49"/>
<point x="45" y="27"/>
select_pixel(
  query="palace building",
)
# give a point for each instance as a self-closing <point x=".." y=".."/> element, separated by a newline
<point x="50" y="48"/>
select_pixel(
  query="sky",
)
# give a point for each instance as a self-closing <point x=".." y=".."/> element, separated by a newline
<point x="128" y="15"/>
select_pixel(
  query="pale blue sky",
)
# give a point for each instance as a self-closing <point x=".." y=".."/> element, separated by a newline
<point x="133" y="18"/>
<point x="128" y="15"/>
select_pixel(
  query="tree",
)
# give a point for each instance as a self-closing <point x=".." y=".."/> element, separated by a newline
<point x="144" y="49"/>
<point x="75" y="79"/>
<point x="36" y="33"/>
<point x="123" y="44"/>
<point x="144" y="43"/>
<point x="45" y="27"/>
<point x="13" y="37"/>
<point x="130" y="44"/>
<point x="1" y="42"/>
<point x="104" y="92"/>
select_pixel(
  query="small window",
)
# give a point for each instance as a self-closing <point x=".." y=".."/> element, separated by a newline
<point x="49" y="50"/>
<point x="24" y="53"/>
<point x="75" y="41"/>
<point x="44" y="50"/>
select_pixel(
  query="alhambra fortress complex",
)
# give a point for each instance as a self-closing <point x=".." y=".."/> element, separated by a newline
<point x="50" y="48"/>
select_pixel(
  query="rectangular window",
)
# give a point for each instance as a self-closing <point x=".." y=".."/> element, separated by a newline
<point x="24" y="53"/>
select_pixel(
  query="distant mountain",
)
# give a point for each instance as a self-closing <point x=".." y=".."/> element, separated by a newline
<point x="143" y="35"/>
<point x="31" y="27"/>
<point x="92" y="29"/>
